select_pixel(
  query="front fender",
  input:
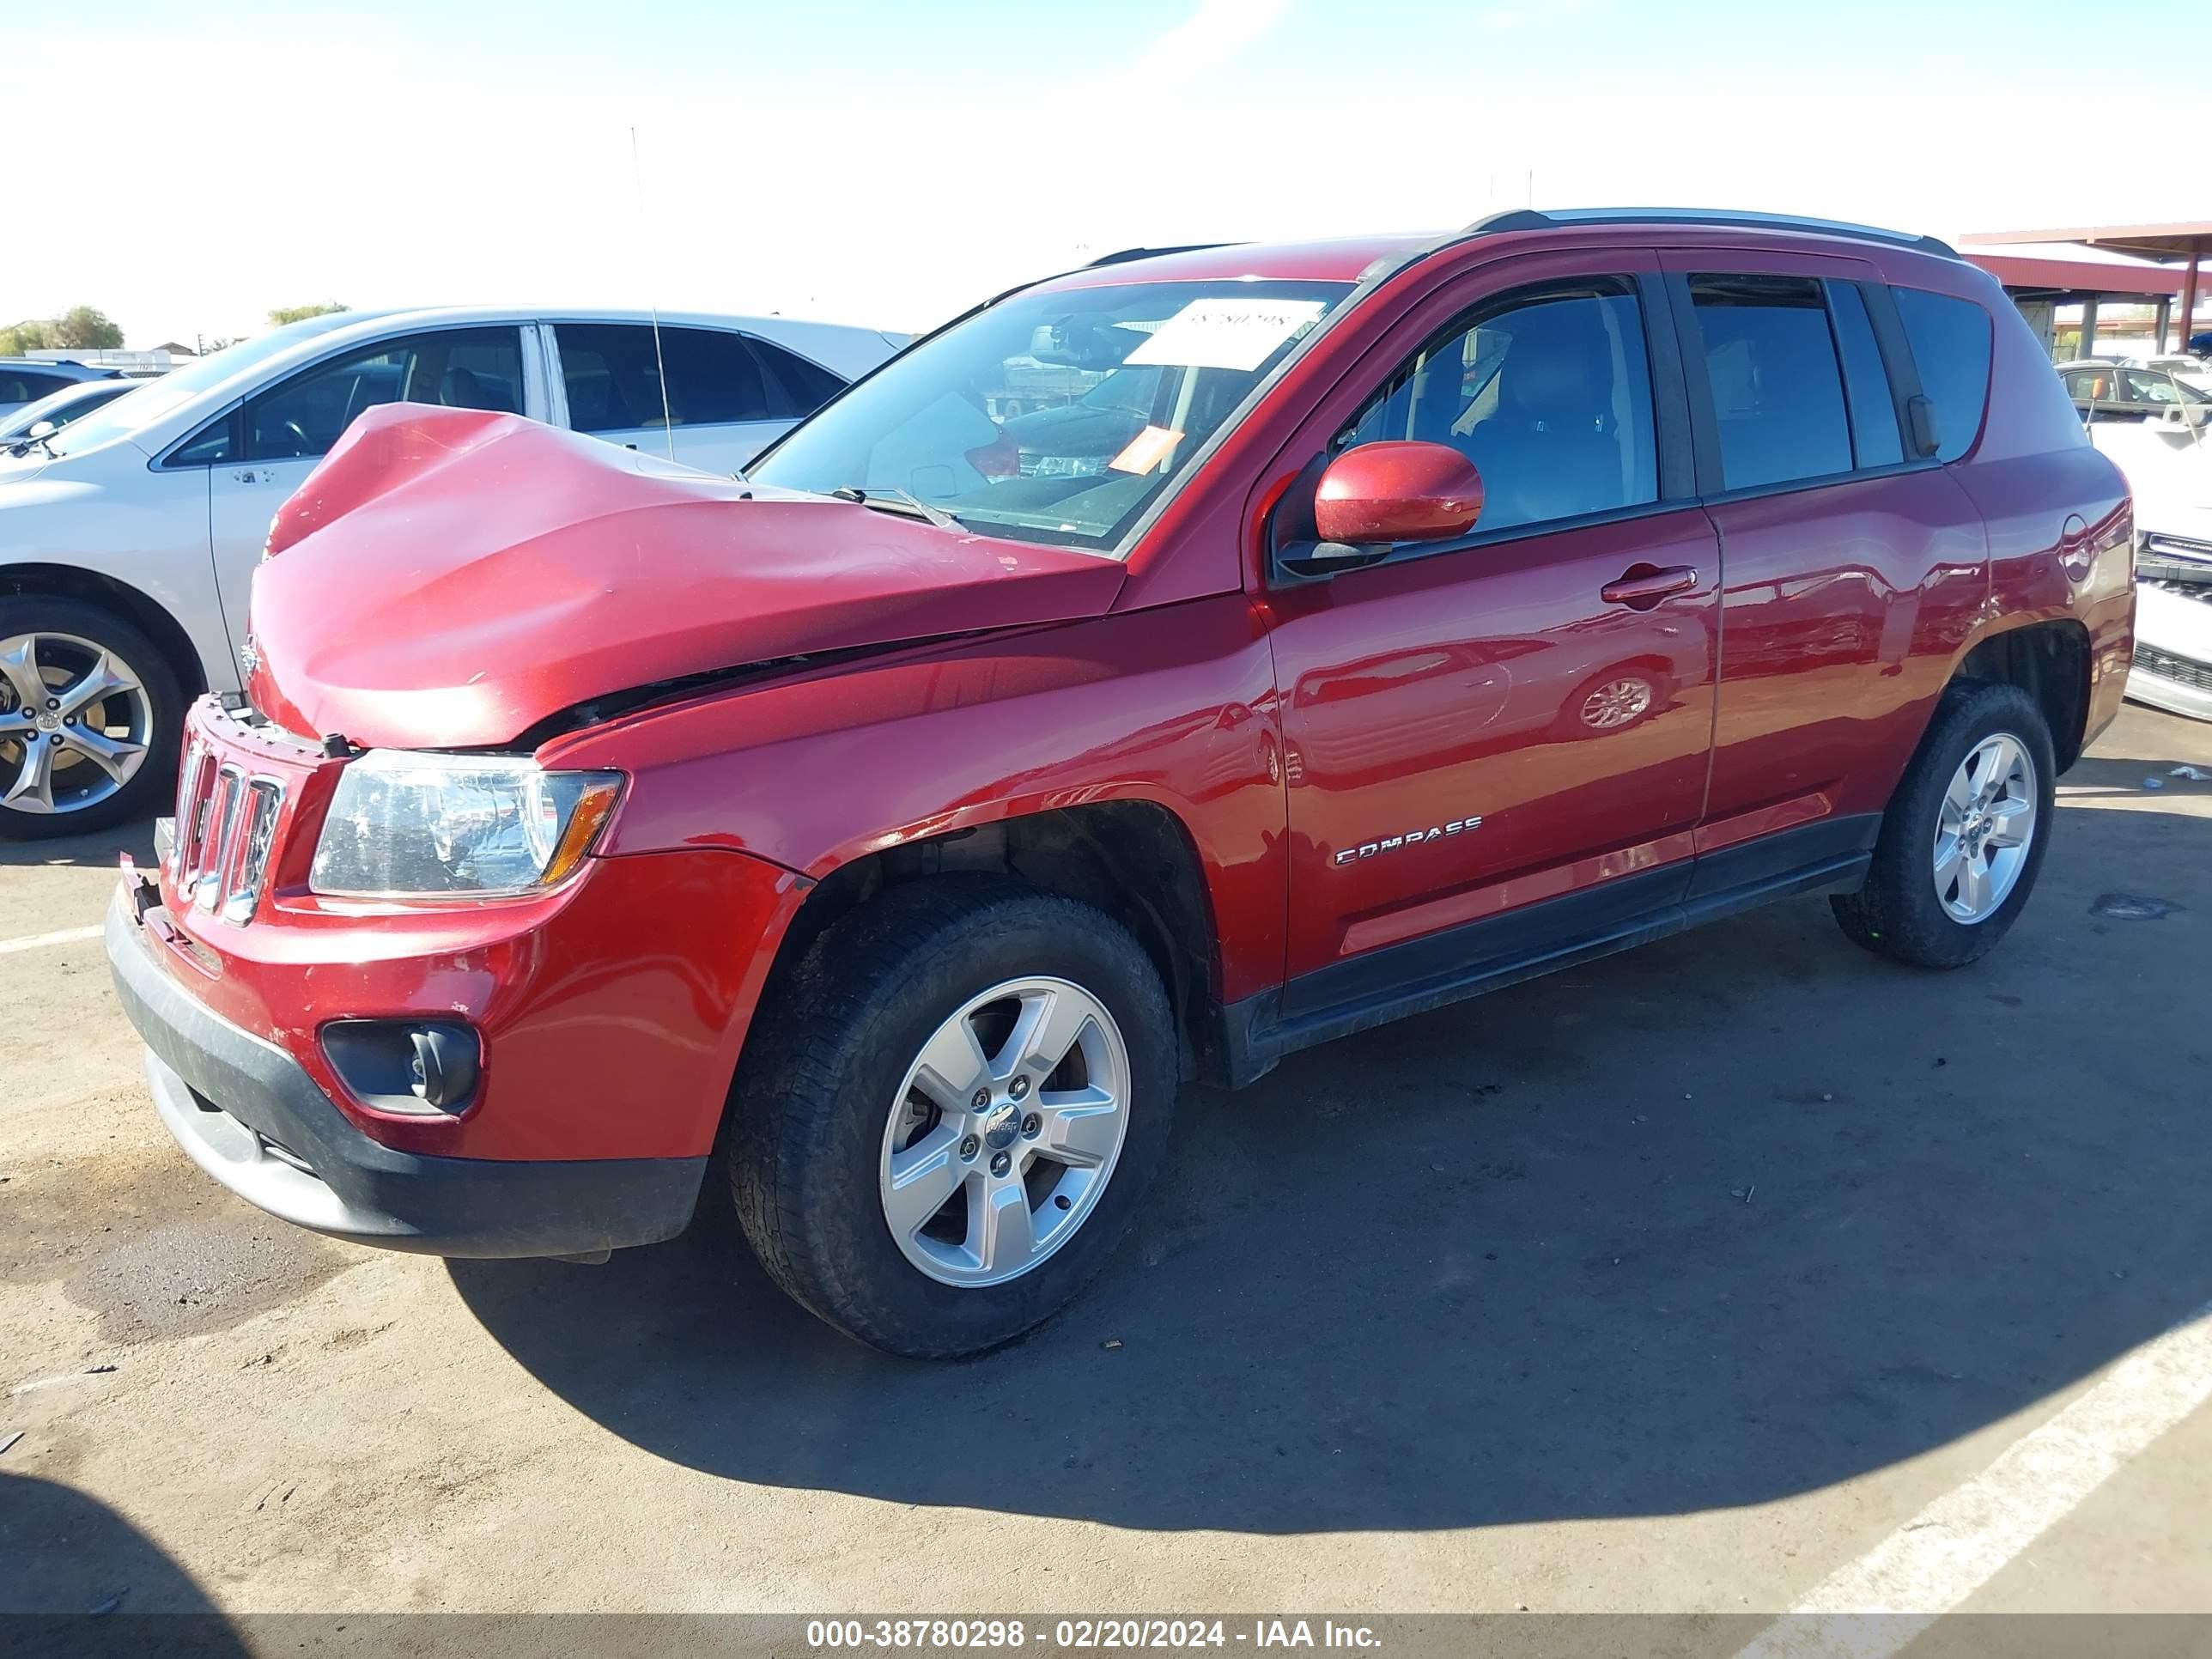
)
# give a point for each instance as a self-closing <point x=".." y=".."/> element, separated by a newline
<point x="1174" y="706"/>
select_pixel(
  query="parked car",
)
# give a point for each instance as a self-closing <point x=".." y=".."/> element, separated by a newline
<point x="56" y="411"/>
<point x="911" y="817"/>
<point x="2119" y="391"/>
<point x="2189" y="370"/>
<point x="2169" y="472"/>
<point x="2172" y="667"/>
<point x="127" y="542"/>
<point x="27" y="380"/>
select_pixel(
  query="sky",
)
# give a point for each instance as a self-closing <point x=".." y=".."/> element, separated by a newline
<point x="888" y="163"/>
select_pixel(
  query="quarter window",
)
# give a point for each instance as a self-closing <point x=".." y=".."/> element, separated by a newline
<point x="1547" y="390"/>
<point x="805" y="386"/>
<point x="1950" y="341"/>
<point x="458" y="368"/>
<point x="1778" y="389"/>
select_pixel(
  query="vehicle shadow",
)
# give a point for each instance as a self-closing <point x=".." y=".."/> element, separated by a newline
<point x="1733" y="1217"/>
<point x="102" y="847"/>
<point x="77" y="1578"/>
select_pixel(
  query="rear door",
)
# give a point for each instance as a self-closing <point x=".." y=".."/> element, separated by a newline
<point x="701" y="396"/>
<point x="1853" y="569"/>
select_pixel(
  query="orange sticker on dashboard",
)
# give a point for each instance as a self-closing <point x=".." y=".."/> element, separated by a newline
<point x="1146" y="450"/>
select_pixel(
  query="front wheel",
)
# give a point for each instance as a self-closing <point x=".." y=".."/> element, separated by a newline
<point x="949" y="1114"/>
<point x="91" y="717"/>
<point x="1964" y="835"/>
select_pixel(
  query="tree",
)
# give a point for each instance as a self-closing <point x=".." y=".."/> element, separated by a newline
<point x="86" y="328"/>
<point x="281" y="315"/>
<point x="26" y="337"/>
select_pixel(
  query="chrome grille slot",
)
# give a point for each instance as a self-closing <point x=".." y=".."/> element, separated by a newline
<point x="233" y="787"/>
<point x="258" y="834"/>
<point x="193" y="780"/>
<point x="218" y="841"/>
<point x="230" y="829"/>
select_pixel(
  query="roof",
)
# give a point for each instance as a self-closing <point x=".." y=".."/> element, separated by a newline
<point x="1347" y="259"/>
<point x="2164" y="241"/>
<point x="1340" y="260"/>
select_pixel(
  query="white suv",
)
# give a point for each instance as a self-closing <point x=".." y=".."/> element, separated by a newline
<point x="128" y="538"/>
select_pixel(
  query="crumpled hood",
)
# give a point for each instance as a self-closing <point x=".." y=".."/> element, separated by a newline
<point x="448" y="578"/>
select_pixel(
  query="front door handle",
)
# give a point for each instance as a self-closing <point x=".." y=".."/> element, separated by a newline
<point x="1643" y="586"/>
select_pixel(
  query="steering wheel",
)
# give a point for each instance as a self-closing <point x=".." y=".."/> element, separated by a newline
<point x="300" y="436"/>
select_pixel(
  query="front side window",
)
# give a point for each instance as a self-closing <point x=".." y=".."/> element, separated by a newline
<point x="1547" y="390"/>
<point x="1117" y="388"/>
<point x="1950" y="341"/>
<point x="1777" y="390"/>
<point x="22" y="386"/>
<point x="2155" y="389"/>
<point x="459" y="368"/>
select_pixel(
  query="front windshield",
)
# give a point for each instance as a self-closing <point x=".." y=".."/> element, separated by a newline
<point x="155" y="398"/>
<point x="1054" y="416"/>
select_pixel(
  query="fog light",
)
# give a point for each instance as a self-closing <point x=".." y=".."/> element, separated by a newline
<point x="406" y="1065"/>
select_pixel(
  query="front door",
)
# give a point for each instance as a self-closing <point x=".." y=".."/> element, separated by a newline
<point x="263" y="451"/>
<point x="1525" y="714"/>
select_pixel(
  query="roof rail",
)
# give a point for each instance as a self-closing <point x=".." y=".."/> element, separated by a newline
<point x="1122" y="256"/>
<point x="1534" y="219"/>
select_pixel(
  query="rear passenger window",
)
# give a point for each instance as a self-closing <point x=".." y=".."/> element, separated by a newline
<point x="1873" y="412"/>
<point x="1776" y="388"/>
<point x="1547" y="390"/>
<point x="1950" y="341"/>
<point x="611" y="372"/>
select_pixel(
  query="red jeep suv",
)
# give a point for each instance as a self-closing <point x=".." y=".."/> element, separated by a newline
<point x="1158" y="669"/>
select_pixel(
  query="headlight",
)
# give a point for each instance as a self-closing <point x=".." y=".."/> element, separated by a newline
<point x="406" y="824"/>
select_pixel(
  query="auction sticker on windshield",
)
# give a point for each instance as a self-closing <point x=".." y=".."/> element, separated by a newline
<point x="1226" y="333"/>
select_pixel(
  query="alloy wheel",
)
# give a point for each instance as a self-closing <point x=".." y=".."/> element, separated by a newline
<point x="1615" y="703"/>
<point x="1984" y="828"/>
<point x="74" y="723"/>
<point x="1005" y="1132"/>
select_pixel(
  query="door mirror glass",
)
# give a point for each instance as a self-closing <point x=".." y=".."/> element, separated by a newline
<point x="1397" y="490"/>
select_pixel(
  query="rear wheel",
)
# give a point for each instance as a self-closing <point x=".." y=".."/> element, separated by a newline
<point x="1964" y="835"/>
<point x="949" y="1114"/>
<point x="90" y="718"/>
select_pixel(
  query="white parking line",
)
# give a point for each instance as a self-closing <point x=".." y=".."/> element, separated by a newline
<point x="1962" y="1541"/>
<point x="32" y="941"/>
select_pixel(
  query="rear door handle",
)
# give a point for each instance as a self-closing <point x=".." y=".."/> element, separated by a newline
<point x="1643" y="586"/>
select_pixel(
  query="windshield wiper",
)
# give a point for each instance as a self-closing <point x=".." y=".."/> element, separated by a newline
<point x="899" y="501"/>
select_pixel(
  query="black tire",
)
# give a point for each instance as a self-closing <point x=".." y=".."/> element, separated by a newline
<point x="150" y="786"/>
<point x="1898" y="913"/>
<point x="829" y="1049"/>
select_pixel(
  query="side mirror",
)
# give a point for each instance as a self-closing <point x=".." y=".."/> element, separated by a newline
<point x="41" y="430"/>
<point x="1379" y="496"/>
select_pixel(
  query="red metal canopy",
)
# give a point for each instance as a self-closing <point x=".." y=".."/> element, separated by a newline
<point x="2184" y="241"/>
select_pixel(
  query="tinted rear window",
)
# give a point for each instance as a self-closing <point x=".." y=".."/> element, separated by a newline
<point x="1874" y="413"/>
<point x="1950" y="341"/>
<point x="1777" y="390"/>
